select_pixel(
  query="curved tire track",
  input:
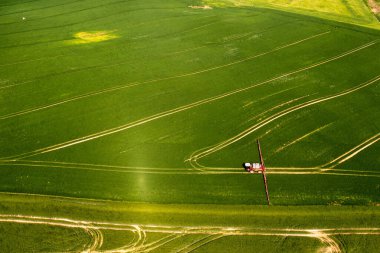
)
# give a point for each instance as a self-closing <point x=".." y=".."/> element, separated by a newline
<point x="193" y="159"/>
<point x="190" y="106"/>
<point x="209" y="233"/>
<point x="119" y="87"/>
<point x="352" y="152"/>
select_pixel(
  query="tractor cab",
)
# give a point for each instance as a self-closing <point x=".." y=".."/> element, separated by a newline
<point x="253" y="167"/>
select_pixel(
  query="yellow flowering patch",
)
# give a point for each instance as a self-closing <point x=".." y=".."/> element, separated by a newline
<point x="92" y="37"/>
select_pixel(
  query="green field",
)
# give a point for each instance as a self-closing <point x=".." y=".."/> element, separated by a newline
<point x="124" y="125"/>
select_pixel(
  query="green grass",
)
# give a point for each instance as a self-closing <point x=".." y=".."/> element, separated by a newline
<point x="166" y="89"/>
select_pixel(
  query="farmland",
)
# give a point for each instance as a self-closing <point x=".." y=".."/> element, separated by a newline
<point x="124" y="125"/>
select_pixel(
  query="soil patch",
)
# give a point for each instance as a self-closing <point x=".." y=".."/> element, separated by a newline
<point x="375" y="7"/>
<point x="205" y="7"/>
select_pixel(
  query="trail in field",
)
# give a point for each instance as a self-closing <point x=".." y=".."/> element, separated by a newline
<point x="107" y="65"/>
<point x="199" y="243"/>
<point x="88" y="21"/>
<point x="203" y="153"/>
<point x="233" y="38"/>
<point x="120" y="87"/>
<point x="13" y="85"/>
<point x="158" y="243"/>
<point x="353" y="152"/>
<point x="349" y="171"/>
<point x="289" y="171"/>
<point x="67" y="12"/>
<point x="171" y="233"/>
<point x="17" y="3"/>
<point x="88" y="165"/>
<point x="92" y="229"/>
<point x="280" y="105"/>
<point x="96" y="167"/>
<point x="33" y="60"/>
<point x="253" y="57"/>
<point x="43" y="7"/>
<point x="198" y="103"/>
<point x="35" y="109"/>
<point x="331" y="246"/>
<point x="95" y="235"/>
<point x="302" y="137"/>
<point x="97" y="241"/>
<point x="183" y="171"/>
<point x="187" y="50"/>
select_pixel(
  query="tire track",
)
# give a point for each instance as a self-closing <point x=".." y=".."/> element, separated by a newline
<point x="223" y="41"/>
<point x="39" y="108"/>
<point x="95" y="235"/>
<point x="187" y="107"/>
<point x="258" y="116"/>
<point x="176" y="76"/>
<point x="180" y="76"/>
<point x="87" y="165"/>
<point x="139" y="170"/>
<point x="90" y="94"/>
<point x="198" y="155"/>
<point x="41" y="8"/>
<point x="302" y="137"/>
<point x="33" y="60"/>
<point x="331" y="246"/>
<point x="13" y="85"/>
<point x="120" y="87"/>
<point x="68" y="12"/>
<point x="185" y="171"/>
<point x="209" y="233"/>
<point x="93" y="229"/>
<point x="196" y="104"/>
<point x="352" y="152"/>
<point x="158" y="243"/>
<point x="199" y="243"/>
<point x="98" y="238"/>
<point x="93" y="67"/>
<point x="71" y="24"/>
<point x="2" y="5"/>
<point x="87" y="21"/>
<point x="125" y="169"/>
